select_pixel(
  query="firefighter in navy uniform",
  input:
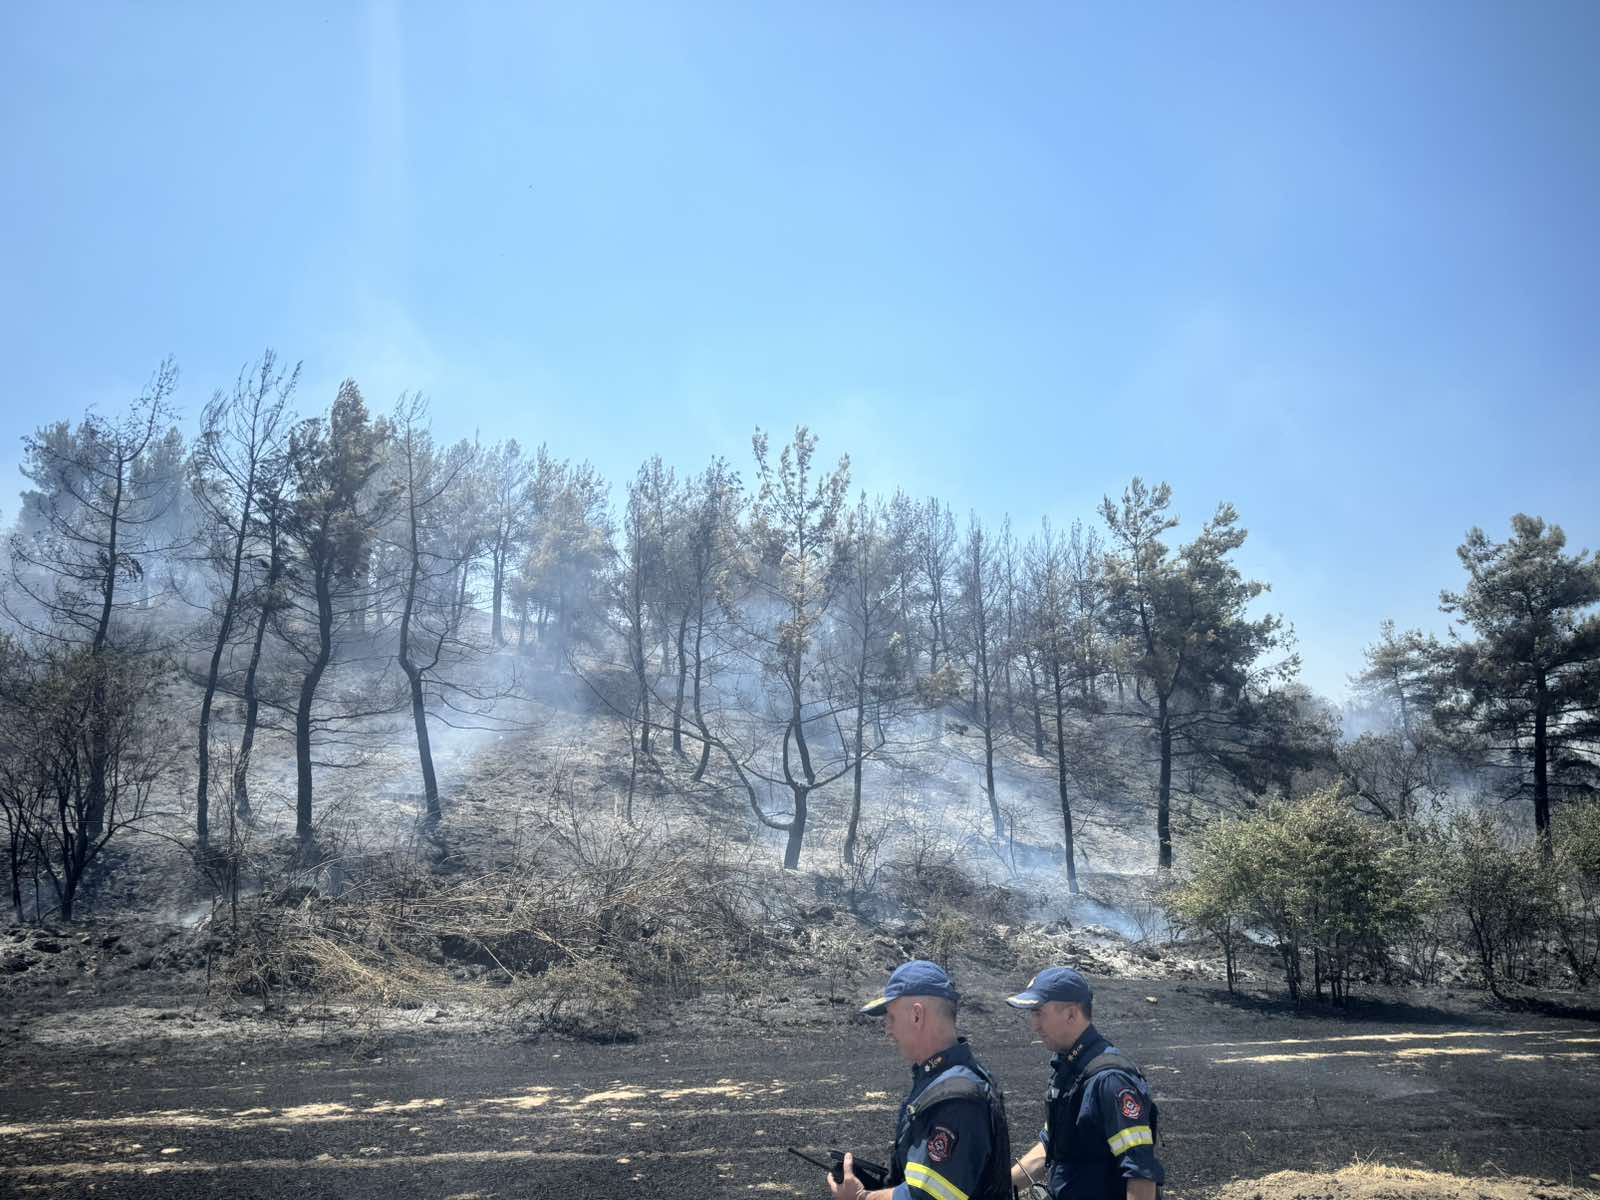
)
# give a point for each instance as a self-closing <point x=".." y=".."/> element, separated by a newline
<point x="951" y="1141"/>
<point x="1099" y="1137"/>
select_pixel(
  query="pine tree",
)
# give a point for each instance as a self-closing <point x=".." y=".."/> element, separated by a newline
<point x="1528" y="685"/>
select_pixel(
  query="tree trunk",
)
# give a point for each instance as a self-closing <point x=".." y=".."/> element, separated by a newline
<point x="496" y="631"/>
<point x="419" y="717"/>
<point x="413" y="670"/>
<point x="362" y="576"/>
<point x="252" y="701"/>
<point x="800" y="787"/>
<point x="1061" y="782"/>
<point x="252" y="712"/>
<point x="797" y="827"/>
<point x="988" y="771"/>
<point x="798" y="726"/>
<point x="984" y="696"/>
<point x="861" y="733"/>
<point x="302" y="715"/>
<point x="644" y="686"/>
<point x="1164" y="792"/>
<point x="1541" y="773"/>
<point x="1038" y="716"/>
<point x="224" y="628"/>
<point x="99" y="750"/>
<point x="683" y="681"/>
<point x="699" y="717"/>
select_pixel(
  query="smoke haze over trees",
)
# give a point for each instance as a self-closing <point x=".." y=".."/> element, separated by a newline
<point x="776" y="637"/>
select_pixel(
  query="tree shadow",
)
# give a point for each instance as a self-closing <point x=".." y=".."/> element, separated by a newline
<point x="1575" y="1009"/>
<point x="1361" y="1009"/>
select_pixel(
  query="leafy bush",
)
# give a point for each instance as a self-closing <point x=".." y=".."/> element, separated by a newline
<point x="1576" y="895"/>
<point x="1315" y="877"/>
<point x="1214" y="897"/>
<point x="1502" y="892"/>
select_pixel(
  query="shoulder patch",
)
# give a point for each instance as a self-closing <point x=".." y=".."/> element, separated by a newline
<point x="1129" y="1104"/>
<point x="941" y="1143"/>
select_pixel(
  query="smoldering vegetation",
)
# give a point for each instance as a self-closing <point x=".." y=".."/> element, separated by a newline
<point x="356" y="716"/>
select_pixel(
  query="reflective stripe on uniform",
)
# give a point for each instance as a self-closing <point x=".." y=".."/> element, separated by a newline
<point x="1127" y="1139"/>
<point x="920" y="1175"/>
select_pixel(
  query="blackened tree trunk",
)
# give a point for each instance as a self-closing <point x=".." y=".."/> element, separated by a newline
<point x="683" y="682"/>
<point x="852" y="830"/>
<point x="1038" y="715"/>
<point x="408" y="663"/>
<point x="496" y="634"/>
<point x="699" y="671"/>
<point x="1541" y="769"/>
<point x="302" y="717"/>
<point x="1164" y="790"/>
<point x="1061" y="774"/>
<point x="99" y="749"/>
<point x="800" y="786"/>
<point x="252" y="706"/>
<point x="797" y="827"/>
<point x="230" y="606"/>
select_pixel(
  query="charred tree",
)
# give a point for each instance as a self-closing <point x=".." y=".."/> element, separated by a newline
<point x="327" y="522"/>
<point x="981" y="591"/>
<point x="240" y="439"/>
<point x="95" y="508"/>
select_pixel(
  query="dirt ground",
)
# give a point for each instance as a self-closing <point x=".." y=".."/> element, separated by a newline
<point x="706" y="1102"/>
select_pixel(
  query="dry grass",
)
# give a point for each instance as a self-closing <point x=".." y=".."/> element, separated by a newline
<point x="593" y="918"/>
<point x="1374" y="1181"/>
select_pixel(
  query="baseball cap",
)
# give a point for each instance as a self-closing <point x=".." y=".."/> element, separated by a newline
<point x="919" y="977"/>
<point x="1061" y="984"/>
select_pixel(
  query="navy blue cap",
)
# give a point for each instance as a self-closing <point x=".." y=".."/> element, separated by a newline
<point x="919" y="977"/>
<point x="1061" y="984"/>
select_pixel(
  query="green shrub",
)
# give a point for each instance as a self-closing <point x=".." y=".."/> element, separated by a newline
<point x="1503" y="893"/>
<point x="1576" y="895"/>
<point x="1320" y="881"/>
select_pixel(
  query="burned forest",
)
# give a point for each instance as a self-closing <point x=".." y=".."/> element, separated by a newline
<point x="319" y="717"/>
<point x="276" y="681"/>
<point x="582" y="586"/>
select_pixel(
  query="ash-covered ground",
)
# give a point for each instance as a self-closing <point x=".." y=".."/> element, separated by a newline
<point x="704" y="1106"/>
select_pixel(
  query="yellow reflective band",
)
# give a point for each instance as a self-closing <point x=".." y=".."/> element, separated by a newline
<point x="1133" y="1135"/>
<point x="920" y="1175"/>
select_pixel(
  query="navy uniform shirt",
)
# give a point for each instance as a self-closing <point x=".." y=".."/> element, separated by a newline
<point x="940" y="1154"/>
<point x="1093" y="1151"/>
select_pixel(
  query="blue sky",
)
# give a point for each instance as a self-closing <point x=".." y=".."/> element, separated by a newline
<point x="1337" y="264"/>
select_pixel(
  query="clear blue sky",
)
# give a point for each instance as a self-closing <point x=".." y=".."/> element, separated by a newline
<point x="1337" y="263"/>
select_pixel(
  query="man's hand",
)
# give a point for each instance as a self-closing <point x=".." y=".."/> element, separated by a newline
<point x="1029" y="1170"/>
<point x="849" y="1188"/>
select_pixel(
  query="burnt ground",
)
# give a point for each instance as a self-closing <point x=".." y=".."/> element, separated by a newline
<point x="704" y="1108"/>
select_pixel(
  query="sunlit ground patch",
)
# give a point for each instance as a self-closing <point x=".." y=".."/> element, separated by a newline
<point x="1572" y="1036"/>
<point x="710" y="1100"/>
<point x="1402" y="1046"/>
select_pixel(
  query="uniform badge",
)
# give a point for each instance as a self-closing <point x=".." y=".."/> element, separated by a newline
<point x="941" y="1144"/>
<point x="1128" y="1101"/>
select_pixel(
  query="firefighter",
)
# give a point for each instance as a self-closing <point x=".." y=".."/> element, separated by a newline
<point x="951" y="1141"/>
<point x="1098" y="1142"/>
